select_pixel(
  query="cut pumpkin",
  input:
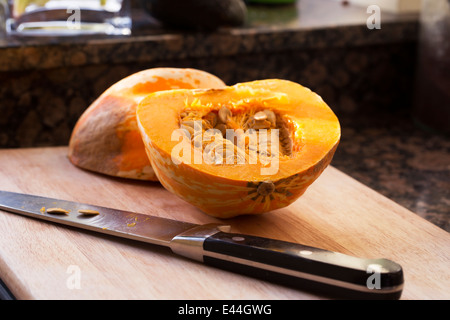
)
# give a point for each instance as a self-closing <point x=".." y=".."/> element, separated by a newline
<point x="244" y="149"/>
<point x="106" y="138"/>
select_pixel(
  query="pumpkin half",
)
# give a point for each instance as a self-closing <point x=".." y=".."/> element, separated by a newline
<point x="106" y="138"/>
<point x="243" y="149"/>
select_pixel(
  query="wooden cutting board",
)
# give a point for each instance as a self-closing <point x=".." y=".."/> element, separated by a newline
<point x="40" y="260"/>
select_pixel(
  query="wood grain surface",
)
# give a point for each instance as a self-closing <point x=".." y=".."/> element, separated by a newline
<point x="38" y="259"/>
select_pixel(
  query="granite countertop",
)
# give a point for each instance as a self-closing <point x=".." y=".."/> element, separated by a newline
<point x="383" y="148"/>
<point x="392" y="154"/>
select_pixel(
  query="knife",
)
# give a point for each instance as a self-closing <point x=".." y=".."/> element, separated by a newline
<point x="295" y="265"/>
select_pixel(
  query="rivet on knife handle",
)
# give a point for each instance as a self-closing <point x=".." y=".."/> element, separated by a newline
<point x="292" y="264"/>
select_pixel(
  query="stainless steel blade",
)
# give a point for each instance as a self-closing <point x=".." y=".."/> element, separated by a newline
<point x="125" y="224"/>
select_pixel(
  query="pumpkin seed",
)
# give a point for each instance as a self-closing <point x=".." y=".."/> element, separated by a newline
<point x="57" y="211"/>
<point x="188" y="123"/>
<point x="188" y="130"/>
<point x="183" y="114"/>
<point x="88" y="212"/>
<point x="212" y="119"/>
<point x="209" y="149"/>
<point x="271" y="117"/>
<point x="206" y="125"/>
<point x="260" y="124"/>
<point x="224" y="114"/>
<point x="198" y="141"/>
<point x="260" y="116"/>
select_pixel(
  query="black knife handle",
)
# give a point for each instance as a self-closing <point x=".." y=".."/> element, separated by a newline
<point x="303" y="267"/>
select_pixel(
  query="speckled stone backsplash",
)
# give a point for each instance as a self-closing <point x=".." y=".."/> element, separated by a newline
<point x="40" y="106"/>
<point x="366" y="76"/>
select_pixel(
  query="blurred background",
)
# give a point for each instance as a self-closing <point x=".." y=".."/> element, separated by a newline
<point x="385" y="73"/>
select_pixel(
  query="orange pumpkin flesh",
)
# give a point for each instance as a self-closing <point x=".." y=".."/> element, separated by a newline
<point x="106" y="138"/>
<point x="225" y="189"/>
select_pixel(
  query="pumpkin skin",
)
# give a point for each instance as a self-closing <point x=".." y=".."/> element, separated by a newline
<point x="228" y="190"/>
<point x="106" y="138"/>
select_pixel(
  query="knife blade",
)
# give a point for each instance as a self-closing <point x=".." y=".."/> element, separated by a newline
<point x="295" y="265"/>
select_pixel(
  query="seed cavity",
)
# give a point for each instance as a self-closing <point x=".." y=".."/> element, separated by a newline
<point x="238" y="147"/>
